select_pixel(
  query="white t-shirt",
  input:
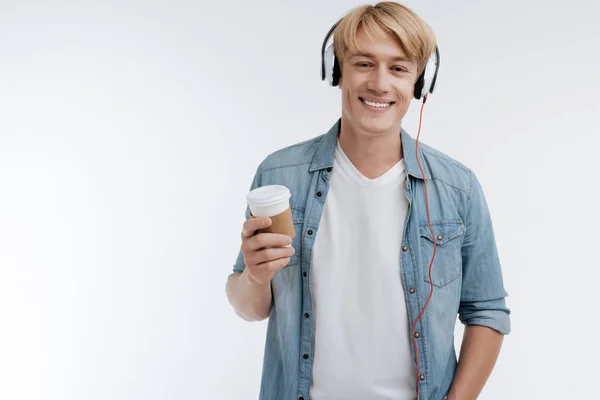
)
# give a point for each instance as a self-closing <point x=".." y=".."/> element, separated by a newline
<point x="362" y="349"/>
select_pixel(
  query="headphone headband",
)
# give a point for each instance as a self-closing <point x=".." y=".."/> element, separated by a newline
<point x="323" y="49"/>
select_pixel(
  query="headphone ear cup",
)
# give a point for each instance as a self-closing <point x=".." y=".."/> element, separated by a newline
<point x="329" y="65"/>
<point x="426" y="82"/>
<point x="336" y="72"/>
<point x="418" y="91"/>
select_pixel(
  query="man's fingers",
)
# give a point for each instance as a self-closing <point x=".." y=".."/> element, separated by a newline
<point x="272" y="254"/>
<point x="276" y="264"/>
<point x="264" y="272"/>
<point x="267" y="240"/>
<point x="253" y="224"/>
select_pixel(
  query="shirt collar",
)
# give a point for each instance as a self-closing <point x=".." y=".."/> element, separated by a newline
<point x="324" y="155"/>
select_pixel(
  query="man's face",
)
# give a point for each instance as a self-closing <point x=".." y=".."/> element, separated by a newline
<point x="377" y="84"/>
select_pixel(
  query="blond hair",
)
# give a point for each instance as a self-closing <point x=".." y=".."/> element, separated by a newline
<point x="386" y="19"/>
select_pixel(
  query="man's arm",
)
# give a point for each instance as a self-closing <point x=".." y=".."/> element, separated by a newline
<point x="478" y="355"/>
<point x="251" y="300"/>
<point x="261" y="256"/>
<point x="482" y="304"/>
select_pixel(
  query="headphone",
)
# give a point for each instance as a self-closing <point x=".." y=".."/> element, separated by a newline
<point x="330" y="68"/>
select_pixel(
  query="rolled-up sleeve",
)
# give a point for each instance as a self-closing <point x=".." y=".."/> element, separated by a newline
<point x="483" y="296"/>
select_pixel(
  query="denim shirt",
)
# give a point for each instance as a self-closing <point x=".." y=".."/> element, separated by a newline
<point x="466" y="272"/>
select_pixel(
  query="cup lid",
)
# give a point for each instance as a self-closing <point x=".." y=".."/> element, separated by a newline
<point x="268" y="195"/>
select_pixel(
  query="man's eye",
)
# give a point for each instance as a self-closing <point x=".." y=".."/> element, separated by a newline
<point x="362" y="64"/>
<point x="399" y="69"/>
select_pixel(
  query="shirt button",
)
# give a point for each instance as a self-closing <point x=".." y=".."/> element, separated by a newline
<point x="404" y="248"/>
<point x="440" y="237"/>
<point x="305" y="356"/>
<point x="306" y="315"/>
<point x="417" y="335"/>
<point x="422" y="377"/>
<point x="319" y="194"/>
<point x="304" y="273"/>
<point x="329" y="169"/>
<point x="300" y="398"/>
<point x="411" y="291"/>
<point x="310" y="232"/>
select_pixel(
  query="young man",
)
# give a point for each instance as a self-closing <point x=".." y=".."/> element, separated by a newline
<point x="355" y="312"/>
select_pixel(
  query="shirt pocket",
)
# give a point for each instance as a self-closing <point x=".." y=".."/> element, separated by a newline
<point x="447" y="263"/>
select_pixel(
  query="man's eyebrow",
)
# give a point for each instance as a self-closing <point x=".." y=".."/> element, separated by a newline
<point x="369" y="55"/>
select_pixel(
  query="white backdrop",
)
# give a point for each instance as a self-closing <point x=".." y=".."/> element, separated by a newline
<point x="129" y="135"/>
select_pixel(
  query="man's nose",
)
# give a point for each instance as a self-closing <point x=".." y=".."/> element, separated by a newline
<point x="379" y="81"/>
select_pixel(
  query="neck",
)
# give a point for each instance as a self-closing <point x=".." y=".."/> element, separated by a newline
<point x="372" y="154"/>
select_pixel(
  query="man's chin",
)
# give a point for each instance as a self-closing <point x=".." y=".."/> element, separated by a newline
<point x="377" y="125"/>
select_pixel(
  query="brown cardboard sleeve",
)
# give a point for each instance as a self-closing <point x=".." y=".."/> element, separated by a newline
<point x="281" y="223"/>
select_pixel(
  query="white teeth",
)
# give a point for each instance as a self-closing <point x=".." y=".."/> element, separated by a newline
<point x="379" y="105"/>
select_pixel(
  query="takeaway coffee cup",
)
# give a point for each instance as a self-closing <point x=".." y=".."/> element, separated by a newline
<point x="273" y="201"/>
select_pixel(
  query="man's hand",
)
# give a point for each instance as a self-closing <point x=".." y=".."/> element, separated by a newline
<point x="264" y="253"/>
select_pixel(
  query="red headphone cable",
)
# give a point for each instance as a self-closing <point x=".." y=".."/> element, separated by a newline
<point x="434" y="248"/>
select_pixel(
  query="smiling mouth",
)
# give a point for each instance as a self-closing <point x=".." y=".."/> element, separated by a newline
<point x="376" y="105"/>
